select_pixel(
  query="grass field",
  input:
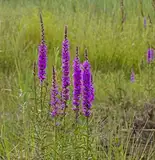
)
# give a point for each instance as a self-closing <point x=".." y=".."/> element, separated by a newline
<point x="117" y="41"/>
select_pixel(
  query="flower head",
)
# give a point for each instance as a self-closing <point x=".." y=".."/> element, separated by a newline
<point x="86" y="87"/>
<point x="76" y="81"/>
<point x="65" y="68"/>
<point x="42" y="55"/>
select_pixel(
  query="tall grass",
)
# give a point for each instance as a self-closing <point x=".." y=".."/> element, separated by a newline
<point x="93" y="24"/>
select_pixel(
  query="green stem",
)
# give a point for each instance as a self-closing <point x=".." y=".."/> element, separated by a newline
<point x="87" y="152"/>
<point x="149" y="78"/>
<point x="35" y="111"/>
<point x="151" y="75"/>
<point x="64" y="114"/>
<point x="41" y="99"/>
<point x="55" y="139"/>
<point x="41" y="118"/>
<point x="76" y="116"/>
<point x="122" y="13"/>
<point x="64" y="130"/>
<point x="35" y="97"/>
<point x="77" y="138"/>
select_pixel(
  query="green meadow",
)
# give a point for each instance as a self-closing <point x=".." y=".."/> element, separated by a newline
<point x="117" y="41"/>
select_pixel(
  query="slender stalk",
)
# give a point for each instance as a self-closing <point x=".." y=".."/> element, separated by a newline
<point x="76" y="116"/>
<point x="122" y="14"/>
<point x="35" y="89"/>
<point x="149" y="78"/>
<point x="55" y="138"/>
<point x="87" y="151"/>
<point x="64" y="115"/>
<point x="35" y="111"/>
<point x="141" y="8"/>
<point x="64" y="129"/>
<point x="41" y="99"/>
<point x="41" y="120"/>
<point x="76" y="139"/>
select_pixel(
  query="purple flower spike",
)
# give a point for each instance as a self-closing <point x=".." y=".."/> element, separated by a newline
<point x="54" y="95"/>
<point x="150" y="55"/>
<point x="92" y="85"/>
<point x="132" y="77"/>
<point x="42" y="60"/>
<point x="76" y="81"/>
<point x="86" y="82"/>
<point x="65" y="69"/>
<point x="42" y="55"/>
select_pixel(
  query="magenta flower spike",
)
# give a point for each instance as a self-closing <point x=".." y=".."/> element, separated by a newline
<point x="54" y="95"/>
<point x="65" y="69"/>
<point x="42" y="55"/>
<point x="87" y="91"/>
<point x="76" y="81"/>
<point x="150" y="55"/>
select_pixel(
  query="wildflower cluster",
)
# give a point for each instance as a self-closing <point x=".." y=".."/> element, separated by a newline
<point x="83" y="89"/>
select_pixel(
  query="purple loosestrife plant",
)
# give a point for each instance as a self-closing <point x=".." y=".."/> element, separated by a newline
<point x="54" y="95"/>
<point x="65" y="70"/>
<point x="42" y="64"/>
<point x="76" y="83"/>
<point x="88" y="95"/>
<point x="42" y="55"/>
<point x="150" y="55"/>
<point x="86" y="87"/>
